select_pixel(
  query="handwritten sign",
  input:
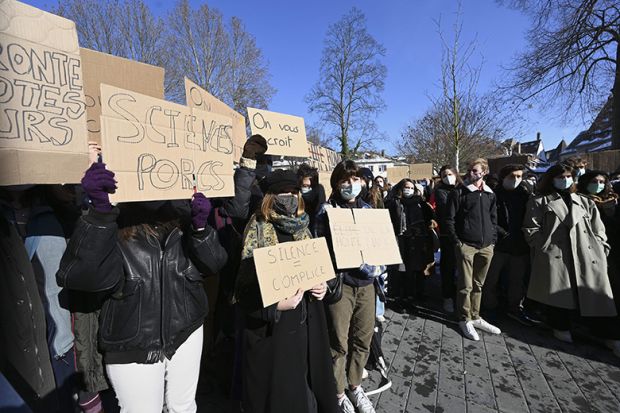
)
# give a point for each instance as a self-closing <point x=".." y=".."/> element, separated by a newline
<point x="397" y="173"/>
<point x="285" y="134"/>
<point x="323" y="159"/>
<point x="290" y="266"/>
<point x="156" y="147"/>
<point x="197" y="97"/>
<point x="362" y="236"/>
<point x="414" y="171"/>
<point x="42" y="118"/>
<point x="116" y="71"/>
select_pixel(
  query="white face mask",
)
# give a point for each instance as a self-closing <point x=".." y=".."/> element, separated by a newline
<point x="562" y="183"/>
<point x="408" y="192"/>
<point x="306" y="190"/>
<point x="511" y="183"/>
<point x="449" y="179"/>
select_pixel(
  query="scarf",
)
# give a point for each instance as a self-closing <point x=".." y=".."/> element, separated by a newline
<point x="260" y="233"/>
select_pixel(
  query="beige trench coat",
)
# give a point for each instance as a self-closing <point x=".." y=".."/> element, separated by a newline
<point x="564" y="244"/>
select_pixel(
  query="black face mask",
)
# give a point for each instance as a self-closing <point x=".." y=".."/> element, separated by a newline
<point x="285" y="204"/>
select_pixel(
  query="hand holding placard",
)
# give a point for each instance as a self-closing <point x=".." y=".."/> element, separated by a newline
<point x="284" y="269"/>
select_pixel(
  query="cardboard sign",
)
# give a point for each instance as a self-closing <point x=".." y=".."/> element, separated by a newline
<point x="156" y="148"/>
<point x="323" y="159"/>
<point x="362" y="236"/>
<point x="290" y="266"/>
<point x="421" y="171"/>
<point x="397" y="173"/>
<point x="116" y="71"/>
<point x="285" y="134"/>
<point x="197" y="97"/>
<point x="42" y="117"/>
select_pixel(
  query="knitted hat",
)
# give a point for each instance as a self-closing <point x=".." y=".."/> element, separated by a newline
<point x="279" y="181"/>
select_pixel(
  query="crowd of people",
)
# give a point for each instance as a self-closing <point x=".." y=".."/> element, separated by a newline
<point x="103" y="298"/>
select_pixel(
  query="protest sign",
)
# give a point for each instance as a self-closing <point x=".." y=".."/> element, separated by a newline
<point x="362" y="236"/>
<point x="290" y="266"/>
<point x="323" y="159"/>
<point x="42" y="120"/>
<point x="197" y="97"/>
<point x="116" y="71"/>
<point x="421" y="171"/>
<point x="397" y="173"/>
<point x="285" y="134"/>
<point x="156" y="147"/>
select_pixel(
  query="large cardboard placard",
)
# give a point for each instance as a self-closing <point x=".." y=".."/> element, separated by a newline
<point x="116" y="71"/>
<point x="421" y="171"/>
<point x="42" y="114"/>
<point x="290" y="266"/>
<point x="323" y="159"/>
<point x="197" y="97"/>
<point x="156" y="147"/>
<point x="397" y="173"/>
<point x="285" y="134"/>
<point x="362" y="236"/>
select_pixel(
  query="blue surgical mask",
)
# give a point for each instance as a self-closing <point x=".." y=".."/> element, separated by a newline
<point x="562" y="183"/>
<point x="348" y="192"/>
<point x="595" y="188"/>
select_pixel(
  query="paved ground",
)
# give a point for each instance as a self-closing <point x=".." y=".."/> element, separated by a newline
<point x="433" y="369"/>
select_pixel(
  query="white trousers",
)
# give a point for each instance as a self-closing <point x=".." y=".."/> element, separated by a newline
<point x="141" y="388"/>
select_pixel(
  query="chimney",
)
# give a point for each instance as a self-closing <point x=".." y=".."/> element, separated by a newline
<point x="519" y="148"/>
<point x="538" y="136"/>
<point x="382" y="152"/>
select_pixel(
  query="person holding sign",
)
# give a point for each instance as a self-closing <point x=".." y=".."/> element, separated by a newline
<point x="148" y="259"/>
<point x="286" y="364"/>
<point x="351" y="318"/>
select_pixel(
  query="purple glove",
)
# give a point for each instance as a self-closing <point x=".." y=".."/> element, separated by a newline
<point x="98" y="182"/>
<point x="201" y="208"/>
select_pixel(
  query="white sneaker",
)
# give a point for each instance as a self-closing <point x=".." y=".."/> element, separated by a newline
<point x="468" y="330"/>
<point x="364" y="374"/>
<point x="613" y="345"/>
<point x="563" y="335"/>
<point x="448" y="305"/>
<point x="361" y="402"/>
<point x="480" y="324"/>
<point x="380" y="319"/>
<point x="345" y="405"/>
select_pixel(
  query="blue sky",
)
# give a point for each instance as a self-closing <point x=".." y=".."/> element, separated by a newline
<point x="291" y="32"/>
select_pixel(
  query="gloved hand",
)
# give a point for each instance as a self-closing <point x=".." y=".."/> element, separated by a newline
<point x="201" y="208"/>
<point x="98" y="183"/>
<point x="254" y="147"/>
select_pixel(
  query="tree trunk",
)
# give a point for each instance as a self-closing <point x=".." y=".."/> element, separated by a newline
<point x="615" y="104"/>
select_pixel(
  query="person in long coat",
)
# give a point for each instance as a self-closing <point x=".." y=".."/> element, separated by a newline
<point x="286" y="357"/>
<point x="569" y="254"/>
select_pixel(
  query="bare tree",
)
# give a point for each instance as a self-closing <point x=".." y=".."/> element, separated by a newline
<point x="247" y="73"/>
<point x="201" y="50"/>
<point x="351" y="78"/>
<point x="572" y="58"/>
<point x="461" y="124"/>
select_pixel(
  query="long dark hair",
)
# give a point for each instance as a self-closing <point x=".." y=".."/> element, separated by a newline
<point x="455" y="172"/>
<point x="343" y="171"/>
<point x="545" y="186"/>
<point x="584" y="180"/>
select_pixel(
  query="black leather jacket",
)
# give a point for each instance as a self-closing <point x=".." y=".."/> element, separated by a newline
<point x="156" y="295"/>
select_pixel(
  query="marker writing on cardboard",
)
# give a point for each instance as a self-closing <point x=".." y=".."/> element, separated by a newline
<point x="194" y="178"/>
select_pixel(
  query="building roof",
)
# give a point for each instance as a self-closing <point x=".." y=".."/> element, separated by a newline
<point x="597" y="137"/>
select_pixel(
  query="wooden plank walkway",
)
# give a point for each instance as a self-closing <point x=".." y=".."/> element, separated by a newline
<point x="434" y="369"/>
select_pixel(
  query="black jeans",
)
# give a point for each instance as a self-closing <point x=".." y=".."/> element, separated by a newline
<point x="447" y="266"/>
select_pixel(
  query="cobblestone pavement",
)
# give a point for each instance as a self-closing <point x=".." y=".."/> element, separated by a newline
<point x="433" y="369"/>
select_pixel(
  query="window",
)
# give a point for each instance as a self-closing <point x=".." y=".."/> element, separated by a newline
<point x="370" y="167"/>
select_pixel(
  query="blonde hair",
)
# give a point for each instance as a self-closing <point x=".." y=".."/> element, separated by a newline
<point x="267" y="205"/>
<point x="480" y="161"/>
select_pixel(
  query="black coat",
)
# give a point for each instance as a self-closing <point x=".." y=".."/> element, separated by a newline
<point x="442" y="194"/>
<point x="472" y="216"/>
<point x="24" y="355"/>
<point x="510" y="214"/>
<point x="286" y="355"/>
<point x="156" y="295"/>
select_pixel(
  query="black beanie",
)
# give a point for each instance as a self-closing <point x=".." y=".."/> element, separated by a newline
<point x="279" y="181"/>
